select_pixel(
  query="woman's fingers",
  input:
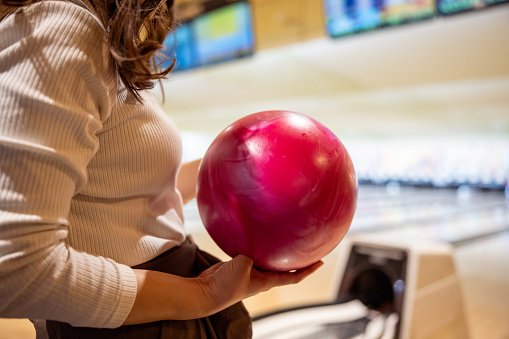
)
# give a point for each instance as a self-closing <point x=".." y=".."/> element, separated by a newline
<point x="265" y="280"/>
<point x="299" y="275"/>
<point x="228" y="282"/>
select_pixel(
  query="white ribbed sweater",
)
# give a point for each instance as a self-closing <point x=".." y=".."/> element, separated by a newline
<point x="87" y="175"/>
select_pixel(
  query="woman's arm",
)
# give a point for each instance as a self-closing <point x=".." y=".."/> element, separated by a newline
<point x="186" y="180"/>
<point x="164" y="296"/>
<point x="56" y="90"/>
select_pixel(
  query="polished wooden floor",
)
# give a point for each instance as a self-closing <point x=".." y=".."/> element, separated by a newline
<point x="475" y="222"/>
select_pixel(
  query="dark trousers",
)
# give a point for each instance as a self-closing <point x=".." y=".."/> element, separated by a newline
<point x="186" y="261"/>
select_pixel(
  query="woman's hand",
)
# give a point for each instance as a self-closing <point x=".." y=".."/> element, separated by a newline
<point x="229" y="282"/>
<point x="163" y="296"/>
<point x="186" y="180"/>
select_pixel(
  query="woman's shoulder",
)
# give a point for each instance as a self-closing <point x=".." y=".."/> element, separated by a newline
<point x="57" y="19"/>
<point x="57" y="44"/>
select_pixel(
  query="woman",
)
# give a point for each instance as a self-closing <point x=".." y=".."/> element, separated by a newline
<point x="92" y="186"/>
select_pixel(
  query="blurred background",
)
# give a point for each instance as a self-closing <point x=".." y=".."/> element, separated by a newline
<point x="417" y="91"/>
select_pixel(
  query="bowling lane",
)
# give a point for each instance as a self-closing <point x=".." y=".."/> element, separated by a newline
<point x="458" y="229"/>
<point x="394" y="196"/>
<point x="436" y="214"/>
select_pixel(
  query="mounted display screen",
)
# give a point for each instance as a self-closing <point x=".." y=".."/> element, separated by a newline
<point x="346" y="17"/>
<point x="222" y="34"/>
<point x="447" y="7"/>
<point x="181" y="44"/>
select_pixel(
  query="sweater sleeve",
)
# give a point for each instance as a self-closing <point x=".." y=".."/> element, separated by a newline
<point x="56" y="90"/>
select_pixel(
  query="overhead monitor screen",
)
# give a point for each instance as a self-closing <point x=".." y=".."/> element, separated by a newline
<point x="447" y="7"/>
<point x="181" y="45"/>
<point x="397" y="12"/>
<point x="224" y="34"/>
<point x="346" y="17"/>
<point x="494" y="2"/>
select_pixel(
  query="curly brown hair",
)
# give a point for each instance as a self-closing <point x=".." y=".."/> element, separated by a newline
<point x="136" y="30"/>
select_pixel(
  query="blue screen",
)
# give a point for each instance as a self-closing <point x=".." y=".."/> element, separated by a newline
<point x="220" y="35"/>
<point x="181" y="44"/>
<point x="224" y="34"/>
<point x="494" y="2"/>
<point x="446" y="7"/>
<point x="346" y="17"/>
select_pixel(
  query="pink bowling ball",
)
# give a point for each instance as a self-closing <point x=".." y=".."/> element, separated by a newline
<point x="278" y="187"/>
